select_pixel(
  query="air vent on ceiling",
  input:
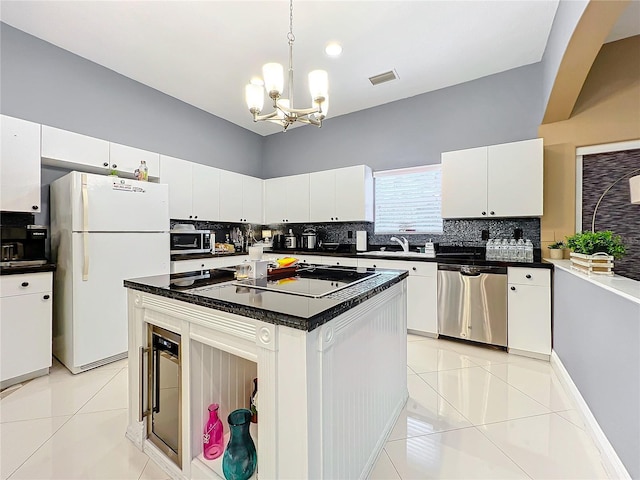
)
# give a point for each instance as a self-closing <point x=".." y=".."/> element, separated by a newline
<point x="383" y="77"/>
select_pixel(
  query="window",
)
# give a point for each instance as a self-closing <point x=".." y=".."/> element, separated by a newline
<point x="408" y="200"/>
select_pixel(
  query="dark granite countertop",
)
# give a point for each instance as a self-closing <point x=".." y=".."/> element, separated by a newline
<point x="18" y="270"/>
<point x="217" y="289"/>
<point x="452" y="258"/>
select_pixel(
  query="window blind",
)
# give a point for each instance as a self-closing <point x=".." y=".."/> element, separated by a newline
<point x="408" y="200"/>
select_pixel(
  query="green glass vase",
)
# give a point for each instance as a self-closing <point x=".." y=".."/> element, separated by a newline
<point x="240" y="458"/>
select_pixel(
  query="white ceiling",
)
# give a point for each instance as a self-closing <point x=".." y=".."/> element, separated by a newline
<point x="204" y="52"/>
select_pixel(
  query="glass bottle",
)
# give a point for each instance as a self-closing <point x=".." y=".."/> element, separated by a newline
<point x="142" y="173"/>
<point x="520" y="252"/>
<point x="513" y="250"/>
<point x="253" y="402"/>
<point x="528" y="251"/>
<point x="213" y="436"/>
<point x="488" y="253"/>
<point x="504" y="250"/>
<point x="240" y="458"/>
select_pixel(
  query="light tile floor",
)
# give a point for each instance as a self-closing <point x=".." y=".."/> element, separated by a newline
<point x="472" y="413"/>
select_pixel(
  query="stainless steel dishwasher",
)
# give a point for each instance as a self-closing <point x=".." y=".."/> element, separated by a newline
<point x="472" y="303"/>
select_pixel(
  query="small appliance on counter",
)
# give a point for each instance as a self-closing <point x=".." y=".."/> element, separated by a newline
<point x="186" y="239"/>
<point x="23" y="245"/>
<point x="361" y="241"/>
<point x="309" y="239"/>
<point x="290" y="241"/>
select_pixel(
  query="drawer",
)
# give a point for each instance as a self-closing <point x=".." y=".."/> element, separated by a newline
<point x="529" y="276"/>
<point x="419" y="269"/>
<point x="182" y="266"/>
<point x="342" y="261"/>
<point x="11" y="285"/>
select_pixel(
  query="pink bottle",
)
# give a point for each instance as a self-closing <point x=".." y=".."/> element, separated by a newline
<point x="213" y="437"/>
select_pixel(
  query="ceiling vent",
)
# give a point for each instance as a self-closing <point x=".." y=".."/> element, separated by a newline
<point x="383" y="77"/>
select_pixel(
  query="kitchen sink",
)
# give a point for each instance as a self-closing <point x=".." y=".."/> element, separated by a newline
<point x="379" y="253"/>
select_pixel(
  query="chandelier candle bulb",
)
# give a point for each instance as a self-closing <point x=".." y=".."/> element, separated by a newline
<point x="273" y="74"/>
<point x="254" y="95"/>
<point x="318" y="84"/>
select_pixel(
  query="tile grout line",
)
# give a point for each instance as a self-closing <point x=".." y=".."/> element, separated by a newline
<point x="503" y="452"/>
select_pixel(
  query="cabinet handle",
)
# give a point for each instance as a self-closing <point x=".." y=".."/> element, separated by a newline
<point x="528" y="276"/>
<point x="513" y="288"/>
<point x="114" y="166"/>
<point x="492" y="213"/>
<point x="25" y="284"/>
<point x="414" y="269"/>
<point x="142" y="412"/>
<point x="195" y="216"/>
<point x="190" y="216"/>
<point x="105" y="164"/>
<point x="484" y="213"/>
<point x="46" y="297"/>
<point x="202" y="265"/>
<point x="331" y="218"/>
<point x="337" y="263"/>
<point x="375" y="266"/>
<point x="35" y="207"/>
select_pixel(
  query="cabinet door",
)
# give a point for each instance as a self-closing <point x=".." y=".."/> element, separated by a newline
<point x="127" y="159"/>
<point x="177" y="174"/>
<point x="529" y="314"/>
<point x="354" y="194"/>
<point x="422" y="310"/>
<point x="322" y="196"/>
<point x="230" y="196"/>
<point x="25" y="334"/>
<point x="514" y="179"/>
<point x="339" y="261"/>
<point x="464" y="183"/>
<point x="252" y="189"/>
<point x="19" y="165"/>
<point x="206" y="192"/>
<point x="297" y="194"/>
<point x="275" y="200"/>
<point x="68" y="149"/>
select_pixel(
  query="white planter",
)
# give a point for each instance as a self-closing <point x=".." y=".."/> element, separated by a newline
<point x="596" y="264"/>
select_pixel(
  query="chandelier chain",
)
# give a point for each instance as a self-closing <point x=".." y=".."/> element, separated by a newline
<point x="290" y="36"/>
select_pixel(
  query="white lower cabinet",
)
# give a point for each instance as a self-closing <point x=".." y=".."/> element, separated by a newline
<point x="529" y="312"/>
<point x="25" y="329"/>
<point x="182" y="266"/>
<point x="422" y="292"/>
<point x="338" y="261"/>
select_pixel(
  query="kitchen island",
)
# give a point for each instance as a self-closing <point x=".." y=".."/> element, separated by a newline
<point x="328" y="346"/>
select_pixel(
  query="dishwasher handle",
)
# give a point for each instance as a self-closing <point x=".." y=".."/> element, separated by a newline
<point x="472" y="270"/>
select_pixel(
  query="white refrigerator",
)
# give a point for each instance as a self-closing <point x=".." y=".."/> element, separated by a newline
<point x="103" y="230"/>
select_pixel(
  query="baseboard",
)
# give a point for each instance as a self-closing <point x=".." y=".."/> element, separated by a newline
<point x="612" y="463"/>
<point x="526" y="353"/>
<point x="422" y="334"/>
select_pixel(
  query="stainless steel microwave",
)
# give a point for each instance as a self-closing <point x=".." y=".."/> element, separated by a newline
<point x="191" y="241"/>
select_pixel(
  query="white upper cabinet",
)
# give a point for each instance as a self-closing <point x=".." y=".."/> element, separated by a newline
<point x="464" y="184"/>
<point x="231" y="197"/>
<point x="286" y="199"/>
<point x="178" y="174"/>
<point x="206" y="192"/>
<point x="515" y="179"/>
<point x="240" y="198"/>
<point x="341" y="195"/>
<point x="193" y="189"/>
<point x="497" y="181"/>
<point x="19" y="165"/>
<point x="128" y="159"/>
<point x="80" y="152"/>
<point x="73" y="150"/>
<point x="252" y="194"/>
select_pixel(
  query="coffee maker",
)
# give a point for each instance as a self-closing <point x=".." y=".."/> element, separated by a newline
<point x="23" y="245"/>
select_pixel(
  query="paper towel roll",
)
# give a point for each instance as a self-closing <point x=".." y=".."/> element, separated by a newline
<point x="361" y="241"/>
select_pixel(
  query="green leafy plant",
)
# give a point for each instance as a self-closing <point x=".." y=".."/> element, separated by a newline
<point x="113" y="172"/>
<point x="556" y="245"/>
<point x="589" y="243"/>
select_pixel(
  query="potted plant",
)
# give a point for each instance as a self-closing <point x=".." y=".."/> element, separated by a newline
<point x="556" y="250"/>
<point x="594" y="252"/>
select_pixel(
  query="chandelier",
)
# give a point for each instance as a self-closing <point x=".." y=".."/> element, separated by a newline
<point x="285" y="114"/>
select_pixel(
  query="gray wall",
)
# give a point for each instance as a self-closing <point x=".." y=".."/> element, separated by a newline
<point x="46" y="84"/>
<point x="595" y="334"/>
<point x="504" y="107"/>
<point x="567" y="17"/>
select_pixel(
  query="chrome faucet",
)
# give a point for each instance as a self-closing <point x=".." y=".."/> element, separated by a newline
<point x="404" y="243"/>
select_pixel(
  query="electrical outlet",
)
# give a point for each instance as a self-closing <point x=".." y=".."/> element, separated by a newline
<point x="485" y="234"/>
<point x="349" y="234"/>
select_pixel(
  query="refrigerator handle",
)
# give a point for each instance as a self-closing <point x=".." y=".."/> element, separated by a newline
<point x="85" y="226"/>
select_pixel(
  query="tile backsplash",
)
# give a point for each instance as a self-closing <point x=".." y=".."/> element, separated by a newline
<point x="465" y="232"/>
